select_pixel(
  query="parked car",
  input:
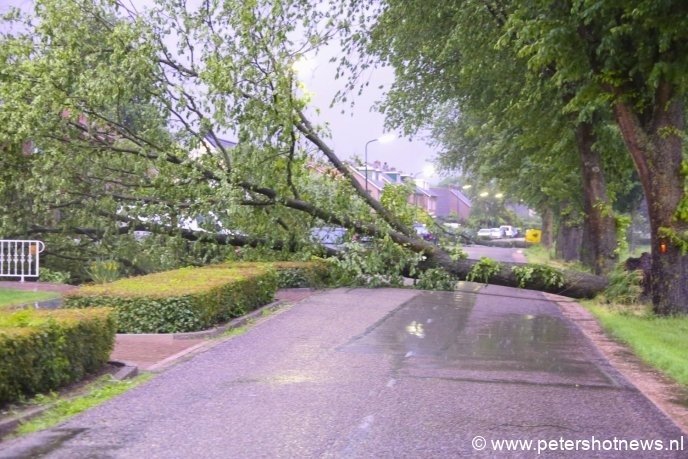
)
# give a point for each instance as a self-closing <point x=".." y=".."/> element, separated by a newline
<point x="496" y="233"/>
<point x="508" y="230"/>
<point x="423" y="232"/>
<point x="485" y="232"/>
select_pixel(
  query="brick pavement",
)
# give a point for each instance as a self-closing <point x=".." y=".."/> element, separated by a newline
<point x="148" y="351"/>
<point x="154" y="351"/>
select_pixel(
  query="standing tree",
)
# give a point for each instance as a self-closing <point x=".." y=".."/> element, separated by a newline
<point x="633" y="57"/>
<point x="624" y="58"/>
<point x="455" y="53"/>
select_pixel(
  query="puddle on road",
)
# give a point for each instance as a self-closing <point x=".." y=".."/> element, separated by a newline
<point x="426" y="325"/>
<point x="442" y="334"/>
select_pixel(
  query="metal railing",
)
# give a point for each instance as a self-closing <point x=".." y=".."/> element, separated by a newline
<point x="20" y="258"/>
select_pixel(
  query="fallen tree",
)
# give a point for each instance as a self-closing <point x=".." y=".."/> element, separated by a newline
<point x="135" y="144"/>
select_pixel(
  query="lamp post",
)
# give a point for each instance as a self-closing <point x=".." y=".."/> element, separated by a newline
<point x="382" y="139"/>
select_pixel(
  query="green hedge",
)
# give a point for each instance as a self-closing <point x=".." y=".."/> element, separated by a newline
<point x="183" y="300"/>
<point x="316" y="274"/>
<point x="45" y="350"/>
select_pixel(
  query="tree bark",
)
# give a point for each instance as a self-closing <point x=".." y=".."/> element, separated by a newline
<point x="576" y="284"/>
<point x="598" y="250"/>
<point x="547" y="236"/>
<point x="655" y="144"/>
<point x="568" y="242"/>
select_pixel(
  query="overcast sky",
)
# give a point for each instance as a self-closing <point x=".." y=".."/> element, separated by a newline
<point x="351" y="130"/>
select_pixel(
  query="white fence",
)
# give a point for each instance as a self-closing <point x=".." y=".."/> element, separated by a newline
<point x="20" y="258"/>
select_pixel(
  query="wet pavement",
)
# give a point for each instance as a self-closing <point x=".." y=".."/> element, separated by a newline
<point x="380" y="373"/>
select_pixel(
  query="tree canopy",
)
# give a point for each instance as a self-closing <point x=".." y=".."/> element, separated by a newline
<point x="512" y="88"/>
<point x="126" y="111"/>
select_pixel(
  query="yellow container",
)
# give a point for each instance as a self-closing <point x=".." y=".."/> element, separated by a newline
<point x="533" y="235"/>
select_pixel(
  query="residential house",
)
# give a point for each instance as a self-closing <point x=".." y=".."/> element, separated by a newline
<point x="452" y="202"/>
<point x="373" y="179"/>
<point x="380" y="175"/>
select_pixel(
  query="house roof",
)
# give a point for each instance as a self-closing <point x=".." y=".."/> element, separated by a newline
<point x="424" y="191"/>
<point x="452" y="191"/>
<point x="461" y="196"/>
<point x="220" y="142"/>
<point x="379" y="184"/>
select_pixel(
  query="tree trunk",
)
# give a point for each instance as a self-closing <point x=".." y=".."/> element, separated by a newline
<point x="598" y="249"/>
<point x="569" y="239"/>
<point x="547" y="235"/>
<point x="576" y="284"/>
<point x="656" y="148"/>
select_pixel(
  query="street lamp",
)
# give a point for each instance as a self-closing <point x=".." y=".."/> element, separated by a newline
<point x="382" y="139"/>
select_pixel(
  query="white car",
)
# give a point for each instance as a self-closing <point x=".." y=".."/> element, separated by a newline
<point x="508" y="230"/>
<point x="484" y="232"/>
<point x="496" y="233"/>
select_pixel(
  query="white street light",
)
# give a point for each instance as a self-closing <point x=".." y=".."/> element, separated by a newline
<point x="484" y="194"/>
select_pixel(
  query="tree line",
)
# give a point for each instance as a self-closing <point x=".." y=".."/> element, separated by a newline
<point x="575" y="106"/>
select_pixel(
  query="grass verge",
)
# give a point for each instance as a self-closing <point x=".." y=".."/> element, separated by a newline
<point x="537" y="254"/>
<point x="63" y="408"/>
<point x="658" y="341"/>
<point x="12" y="297"/>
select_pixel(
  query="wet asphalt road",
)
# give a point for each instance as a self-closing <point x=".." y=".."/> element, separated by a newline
<point x="377" y="373"/>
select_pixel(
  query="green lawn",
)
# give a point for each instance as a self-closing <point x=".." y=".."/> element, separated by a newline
<point x="659" y="341"/>
<point x="11" y="297"/>
<point x="537" y="254"/>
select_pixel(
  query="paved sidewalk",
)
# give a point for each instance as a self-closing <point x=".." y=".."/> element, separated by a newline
<point x="150" y="352"/>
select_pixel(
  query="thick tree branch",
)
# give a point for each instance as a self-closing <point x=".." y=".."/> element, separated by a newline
<point x="306" y="128"/>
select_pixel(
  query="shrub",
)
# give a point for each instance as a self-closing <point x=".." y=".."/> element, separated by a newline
<point x="436" y="279"/>
<point x="483" y="270"/>
<point x="57" y="277"/>
<point x="103" y="272"/>
<point x="315" y="274"/>
<point x="45" y="350"/>
<point x="625" y="287"/>
<point x="183" y="300"/>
